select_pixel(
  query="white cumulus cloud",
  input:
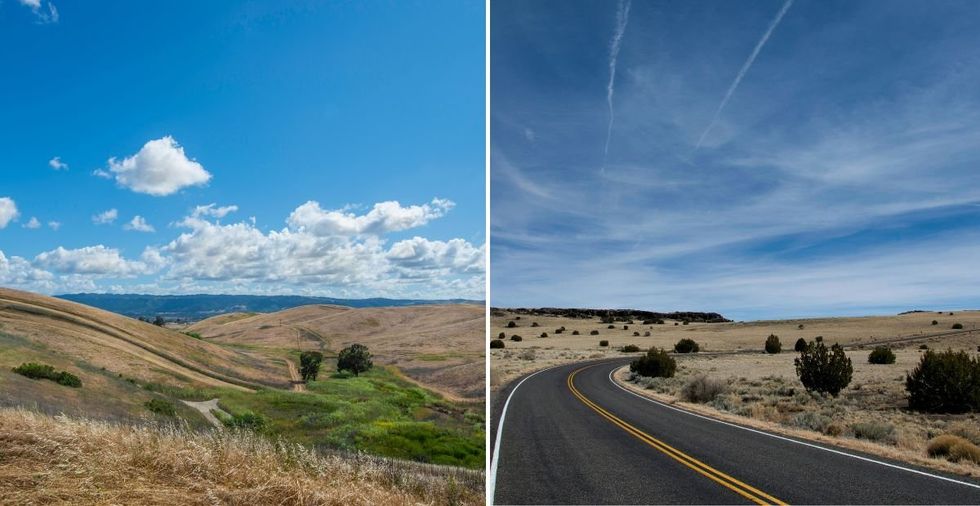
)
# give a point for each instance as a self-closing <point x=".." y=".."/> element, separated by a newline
<point x="139" y="224"/>
<point x="385" y="217"/>
<point x="105" y="217"/>
<point x="32" y="223"/>
<point x="56" y="164"/>
<point x="421" y="254"/>
<point x="8" y="211"/>
<point x="96" y="260"/>
<point x="159" y="168"/>
<point x="213" y="211"/>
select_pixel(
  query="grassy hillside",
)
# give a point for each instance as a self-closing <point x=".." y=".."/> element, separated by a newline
<point x="65" y="460"/>
<point x="439" y="346"/>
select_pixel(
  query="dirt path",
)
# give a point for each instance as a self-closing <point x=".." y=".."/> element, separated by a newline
<point x="295" y="378"/>
<point x="205" y="408"/>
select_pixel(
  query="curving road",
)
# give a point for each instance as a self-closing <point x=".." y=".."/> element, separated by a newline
<point x="569" y="435"/>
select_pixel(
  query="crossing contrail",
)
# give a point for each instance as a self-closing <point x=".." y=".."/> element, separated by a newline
<point x="622" y="17"/>
<point x="745" y="68"/>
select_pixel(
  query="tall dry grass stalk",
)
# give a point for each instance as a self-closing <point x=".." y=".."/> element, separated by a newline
<point x="62" y="460"/>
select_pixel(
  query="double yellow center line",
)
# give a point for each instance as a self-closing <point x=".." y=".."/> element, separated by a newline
<point x="751" y="493"/>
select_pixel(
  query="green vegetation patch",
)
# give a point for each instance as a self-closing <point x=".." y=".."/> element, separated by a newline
<point x="34" y="370"/>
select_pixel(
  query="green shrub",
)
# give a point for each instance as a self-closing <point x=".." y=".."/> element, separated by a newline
<point x="626" y="327"/>
<point x="646" y="334"/>
<point x="823" y="370"/>
<point x="246" y="420"/>
<point x="957" y="326"/>
<point x="800" y="326"/>
<point x="543" y="334"/>
<point x="656" y="363"/>
<point x="772" y="344"/>
<point x="881" y="355"/>
<point x="702" y="389"/>
<point x="604" y="343"/>
<point x="511" y="324"/>
<point x="161" y="407"/>
<point x="934" y="322"/>
<point x="534" y="324"/>
<point x="496" y="343"/>
<point x="874" y="431"/>
<point x="594" y="333"/>
<point x="516" y="338"/>
<point x="923" y="346"/>
<point x="630" y="348"/>
<point x="575" y="333"/>
<point x="800" y="345"/>
<point x="559" y="331"/>
<point x="195" y="335"/>
<point x="946" y="382"/>
<point x="501" y="336"/>
<point x="687" y="345"/>
<point x="611" y="327"/>
<point x="636" y="334"/>
<point x="34" y="370"/>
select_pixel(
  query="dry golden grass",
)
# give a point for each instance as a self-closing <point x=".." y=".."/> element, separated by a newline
<point x="46" y="460"/>
<point x="439" y="346"/>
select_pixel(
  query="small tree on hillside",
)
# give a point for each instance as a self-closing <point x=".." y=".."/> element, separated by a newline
<point x="355" y="358"/>
<point x="309" y="364"/>
<point x="824" y="370"/>
<point x="159" y="321"/>
<point x="772" y="344"/>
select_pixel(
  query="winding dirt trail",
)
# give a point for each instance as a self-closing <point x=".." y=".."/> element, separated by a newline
<point x="205" y="408"/>
<point x="295" y="378"/>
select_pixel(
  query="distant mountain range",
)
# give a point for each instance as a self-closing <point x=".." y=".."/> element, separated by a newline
<point x="198" y="307"/>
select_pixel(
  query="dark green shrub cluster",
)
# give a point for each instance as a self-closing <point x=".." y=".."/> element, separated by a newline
<point x="656" y="363"/>
<point x="630" y="348"/>
<point x="543" y="334"/>
<point x="195" y="335"/>
<point x="946" y="382"/>
<point x="824" y="370"/>
<point x="934" y="322"/>
<point x="34" y="370"/>
<point x="246" y="420"/>
<point x="516" y="338"/>
<point x="496" y="343"/>
<point x="501" y="336"/>
<point x="309" y="364"/>
<point x="957" y="326"/>
<point x="355" y="358"/>
<point x="575" y="333"/>
<point x="687" y="345"/>
<point x="511" y="324"/>
<point x="594" y="333"/>
<point x="800" y="345"/>
<point x="604" y="343"/>
<point x="161" y="407"/>
<point x="611" y="327"/>
<point x="773" y="345"/>
<point x="881" y="355"/>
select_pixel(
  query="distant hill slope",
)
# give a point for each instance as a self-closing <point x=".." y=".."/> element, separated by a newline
<point x="439" y="346"/>
<point x="109" y="353"/>
<point x="197" y="307"/>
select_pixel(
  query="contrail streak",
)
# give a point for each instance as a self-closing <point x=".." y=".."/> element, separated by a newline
<point x="745" y="68"/>
<point x="622" y="17"/>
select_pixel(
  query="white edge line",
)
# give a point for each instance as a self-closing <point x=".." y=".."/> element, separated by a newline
<point x="492" y="478"/>
<point x="811" y="445"/>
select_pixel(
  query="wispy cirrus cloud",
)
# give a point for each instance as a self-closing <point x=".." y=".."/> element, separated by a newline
<point x="622" y="19"/>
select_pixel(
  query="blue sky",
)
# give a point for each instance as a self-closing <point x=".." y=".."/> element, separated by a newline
<point x="839" y="176"/>
<point x="348" y="136"/>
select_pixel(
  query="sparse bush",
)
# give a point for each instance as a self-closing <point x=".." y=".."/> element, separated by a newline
<point x="626" y="327"/>
<point x="953" y="448"/>
<point x="575" y="333"/>
<point x="161" y="407"/>
<point x="957" y="326"/>
<point x="686" y="322"/>
<point x="676" y="324"/>
<point x="630" y="348"/>
<point x="646" y="334"/>
<point x="923" y="346"/>
<point x="823" y="370"/>
<point x="534" y="324"/>
<point x="874" y="431"/>
<point x="496" y="343"/>
<point x="800" y="345"/>
<point x="604" y="343"/>
<point x="772" y="344"/>
<point x="34" y="370"/>
<point x="511" y="324"/>
<point x="800" y="326"/>
<point x="818" y="339"/>
<point x="611" y="327"/>
<point x="544" y="334"/>
<point x="528" y="354"/>
<point x="636" y="334"/>
<point x="946" y="382"/>
<point x="559" y="331"/>
<point x="501" y="335"/>
<point x="934" y="322"/>
<point x="702" y="389"/>
<point x="881" y="355"/>
<point x="687" y="345"/>
<point x="159" y="321"/>
<point x="195" y="335"/>
<point x="594" y="333"/>
<point x="516" y="338"/>
<point x="812" y="420"/>
<point x="656" y="363"/>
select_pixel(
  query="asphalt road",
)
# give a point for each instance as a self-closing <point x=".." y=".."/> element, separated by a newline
<point x="585" y="440"/>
